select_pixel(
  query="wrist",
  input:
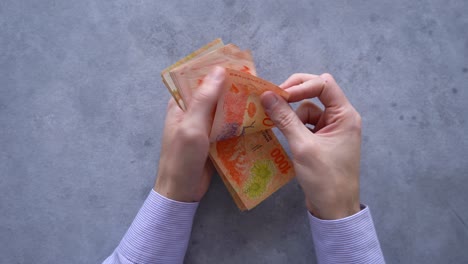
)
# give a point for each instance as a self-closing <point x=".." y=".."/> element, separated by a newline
<point x="172" y="193"/>
<point x="167" y="186"/>
<point x="333" y="211"/>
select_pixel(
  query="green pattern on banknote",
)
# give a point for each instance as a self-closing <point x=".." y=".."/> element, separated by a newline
<point x="261" y="174"/>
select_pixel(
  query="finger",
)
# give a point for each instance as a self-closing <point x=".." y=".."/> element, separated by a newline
<point x="283" y="116"/>
<point x="173" y="108"/>
<point x="325" y="88"/>
<point x="309" y="113"/>
<point x="206" y="96"/>
<point x="296" y="79"/>
<point x="309" y="89"/>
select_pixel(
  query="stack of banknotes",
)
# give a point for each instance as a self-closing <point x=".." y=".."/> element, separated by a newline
<point x="246" y="153"/>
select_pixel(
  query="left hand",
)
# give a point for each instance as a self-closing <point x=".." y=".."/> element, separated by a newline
<point x="184" y="172"/>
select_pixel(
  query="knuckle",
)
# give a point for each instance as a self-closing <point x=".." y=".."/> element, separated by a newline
<point x="358" y="119"/>
<point x="295" y="76"/>
<point x="309" y="105"/>
<point x="300" y="151"/>
<point x="190" y="135"/>
<point x="285" y="119"/>
<point x="304" y="151"/>
<point x="356" y="122"/>
<point x="200" y="96"/>
<point x="327" y="76"/>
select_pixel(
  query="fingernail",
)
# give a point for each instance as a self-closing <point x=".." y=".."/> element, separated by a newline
<point x="217" y="74"/>
<point x="269" y="99"/>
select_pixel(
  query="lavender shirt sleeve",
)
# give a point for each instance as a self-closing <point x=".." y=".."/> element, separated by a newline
<point x="162" y="227"/>
<point x="349" y="240"/>
<point x="159" y="234"/>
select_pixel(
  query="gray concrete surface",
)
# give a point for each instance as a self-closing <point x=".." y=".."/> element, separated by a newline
<point x="82" y="108"/>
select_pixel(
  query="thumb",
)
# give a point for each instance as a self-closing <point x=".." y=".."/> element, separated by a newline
<point x="283" y="116"/>
<point x="204" y="100"/>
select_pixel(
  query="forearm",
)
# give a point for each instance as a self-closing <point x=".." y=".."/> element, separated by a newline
<point x="349" y="240"/>
<point x="159" y="233"/>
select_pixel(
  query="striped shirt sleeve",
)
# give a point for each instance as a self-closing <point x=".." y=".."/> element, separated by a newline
<point x="159" y="234"/>
<point x="348" y="240"/>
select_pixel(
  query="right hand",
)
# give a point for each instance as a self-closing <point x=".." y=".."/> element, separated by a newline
<point x="326" y="158"/>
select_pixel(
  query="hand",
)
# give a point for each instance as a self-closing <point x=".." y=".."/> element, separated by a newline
<point x="184" y="172"/>
<point x="326" y="158"/>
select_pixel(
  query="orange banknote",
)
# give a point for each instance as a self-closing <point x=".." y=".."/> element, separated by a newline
<point x="190" y="75"/>
<point x="165" y="74"/>
<point x="254" y="165"/>
<point x="239" y="110"/>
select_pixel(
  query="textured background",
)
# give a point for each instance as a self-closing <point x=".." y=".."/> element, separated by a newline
<point x="82" y="108"/>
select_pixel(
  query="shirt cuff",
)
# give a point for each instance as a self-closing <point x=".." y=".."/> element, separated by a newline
<point x="348" y="240"/>
<point x="160" y="231"/>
